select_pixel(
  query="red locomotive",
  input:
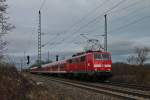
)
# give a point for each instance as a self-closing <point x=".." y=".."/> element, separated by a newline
<point x="92" y="63"/>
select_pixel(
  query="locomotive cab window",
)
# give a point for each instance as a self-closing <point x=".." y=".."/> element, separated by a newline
<point x="102" y="56"/>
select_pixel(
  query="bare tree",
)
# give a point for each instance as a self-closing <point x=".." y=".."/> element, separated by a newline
<point x="132" y="60"/>
<point x="5" y="26"/>
<point x="140" y="57"/>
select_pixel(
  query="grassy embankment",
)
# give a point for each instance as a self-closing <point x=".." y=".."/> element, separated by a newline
<point x="14" y="86"/>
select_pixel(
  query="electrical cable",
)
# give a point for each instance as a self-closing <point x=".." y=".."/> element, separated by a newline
<point x="110" y="9"/>
<point x="131" y="13"/>
<point x="131" y="5"/>
<point x="116" y="11"/>
<point x="85" y="16"/>
<point x="42" y="5"/>
<point x="131" y="23"/>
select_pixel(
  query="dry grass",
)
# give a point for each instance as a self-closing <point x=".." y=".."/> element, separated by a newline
<point x="14" y="86"/>
<point x="130" y="73"/>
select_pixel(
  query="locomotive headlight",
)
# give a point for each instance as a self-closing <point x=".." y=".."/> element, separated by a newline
<point x="97" y="65"/>
<point x="107" y="65"/>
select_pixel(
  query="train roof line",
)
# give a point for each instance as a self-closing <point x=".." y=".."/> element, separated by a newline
<point x="82" y="53"/>
<point x="56" y="62"/>
<point x="73" y="56"/>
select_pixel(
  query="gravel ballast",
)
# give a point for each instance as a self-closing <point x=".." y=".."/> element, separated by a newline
<point x="59" y="91"/>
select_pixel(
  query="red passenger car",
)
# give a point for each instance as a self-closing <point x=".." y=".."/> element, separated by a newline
<point x="93" y="63"/>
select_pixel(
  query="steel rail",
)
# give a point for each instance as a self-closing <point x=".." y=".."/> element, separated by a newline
<point x="105" y="89"/>
<point x="130" y="85"/>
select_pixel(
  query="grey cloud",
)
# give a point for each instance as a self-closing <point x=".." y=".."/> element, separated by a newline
<point x="58" y="15"/>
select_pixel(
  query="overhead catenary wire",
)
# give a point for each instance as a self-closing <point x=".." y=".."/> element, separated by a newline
<point x="128" y="6"/>
<point x="42" y="5"/>
<point x="137" y="10"/>
<point x="124" y="26"/>
<point x="130" y="13"/>
<point x="120" y="10"/>
<point x="98" y="17"/>
<point x="50" y="42"/>
<point x="128" y="24"/>
<point x="88" y="14"/>
<point x="117" y="19"/>
<point x="131" y="23"/>
<point x="83" y="18"/>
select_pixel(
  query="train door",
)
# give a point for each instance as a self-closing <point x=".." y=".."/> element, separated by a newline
<point x="69" y="65"/>
<point x="83" y="63"/>
<point x="89" y="62"/>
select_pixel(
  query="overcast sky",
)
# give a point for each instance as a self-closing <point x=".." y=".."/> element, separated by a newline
<point x="128" y="25"/>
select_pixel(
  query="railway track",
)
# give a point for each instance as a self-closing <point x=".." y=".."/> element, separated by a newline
<point x="129" y="85"/>
<point x="116" y="91"/>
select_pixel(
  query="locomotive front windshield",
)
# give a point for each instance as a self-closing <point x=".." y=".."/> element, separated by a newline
<point x="102" y="56"/>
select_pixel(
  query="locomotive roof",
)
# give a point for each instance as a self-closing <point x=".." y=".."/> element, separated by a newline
<point x="84" y="53"/>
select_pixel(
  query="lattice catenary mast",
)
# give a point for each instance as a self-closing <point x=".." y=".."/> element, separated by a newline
<point x="39" y="40"/>
<point x="105" y="36"/>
